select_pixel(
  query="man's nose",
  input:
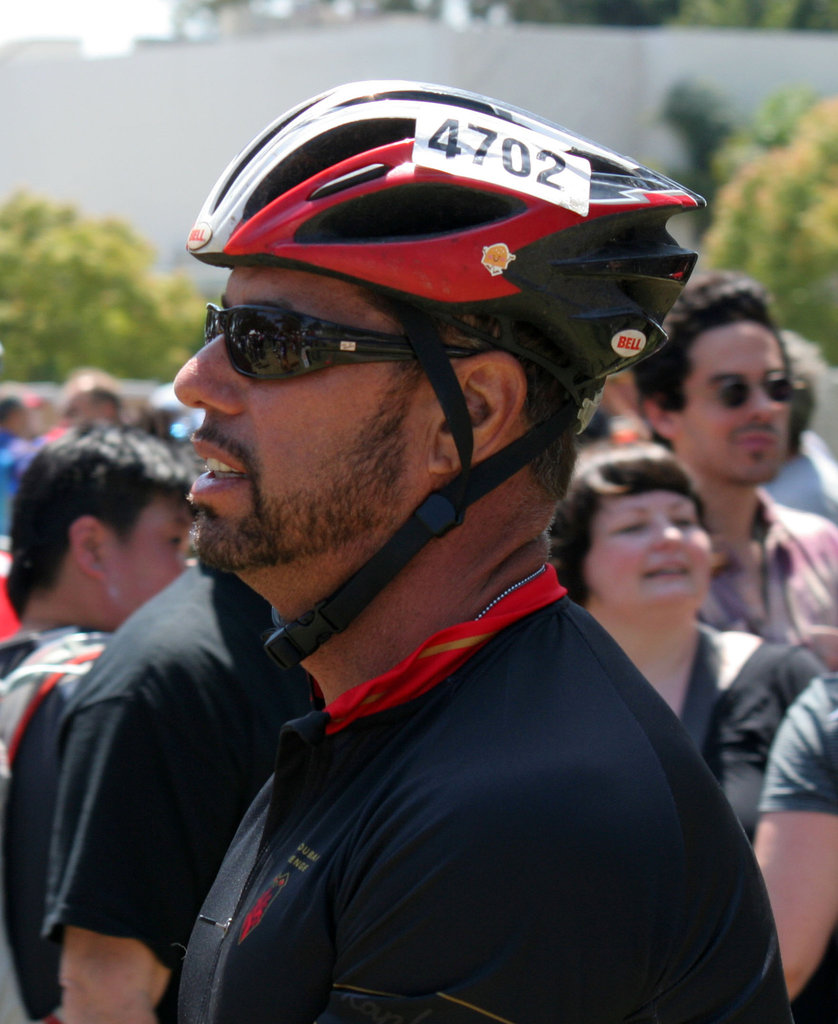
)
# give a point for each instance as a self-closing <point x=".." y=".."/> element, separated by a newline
<point x="208" y="381"/>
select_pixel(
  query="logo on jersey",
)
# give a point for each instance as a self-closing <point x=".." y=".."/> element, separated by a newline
<point x="496" y="258"/>
<point x="260" y="907"/>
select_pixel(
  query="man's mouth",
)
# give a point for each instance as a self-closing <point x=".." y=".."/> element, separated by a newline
<point x="221" y="469"/>
<point x="751" y="435"/>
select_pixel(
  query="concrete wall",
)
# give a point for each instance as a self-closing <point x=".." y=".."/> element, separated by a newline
<point x="145" y="136"/>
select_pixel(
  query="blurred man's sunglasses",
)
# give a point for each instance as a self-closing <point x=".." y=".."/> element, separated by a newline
<point x="733" y="390"/>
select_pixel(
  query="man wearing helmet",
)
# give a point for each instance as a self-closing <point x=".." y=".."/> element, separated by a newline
<point x="489" y="815"/>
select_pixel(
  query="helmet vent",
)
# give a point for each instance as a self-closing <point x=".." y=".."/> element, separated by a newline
<point x="426" y="95"/>
<point x="410" y="211"/>
<point x="258" y="144"/>
<point x="349" y="180"/>
<point x="326" y="150"/>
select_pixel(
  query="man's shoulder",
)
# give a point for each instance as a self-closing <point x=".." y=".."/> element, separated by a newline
<point x="797" y="518"/>
<point x="55" y="659"/>
<point x="192" y="653"/>
<point x="818" y="705"/>
<point x="799" y="527"/>
<point x="197" y="628"/>
<point x="15" y="649"/>
<point x="558" y="688"/>
<point x="557" y="641"/>
<point x="802" y="773"/>
<point x="64" y="651"/>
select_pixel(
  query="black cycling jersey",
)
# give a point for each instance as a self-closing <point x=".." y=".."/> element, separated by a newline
<point x="532" y="840"/>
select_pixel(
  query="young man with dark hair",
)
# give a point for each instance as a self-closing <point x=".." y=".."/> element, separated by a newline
<point x="719" y="395"/>
<point x="490" y="814"/>
<point x="100" y="525"/>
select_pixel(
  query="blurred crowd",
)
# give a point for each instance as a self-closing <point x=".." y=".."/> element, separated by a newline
<point x="30" y="416"/>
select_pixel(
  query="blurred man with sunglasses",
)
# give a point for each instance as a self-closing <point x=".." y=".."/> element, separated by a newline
<point x="719" y="393"/>
<point x="488" y="814"/>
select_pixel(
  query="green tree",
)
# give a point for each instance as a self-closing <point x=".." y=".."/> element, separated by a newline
<point x="780" y="14"/>
<point x="569" y="12"/>
<point x="77" y="291"/>
<point x="773" y="124"/>
<point x="777" y="219"/>
<point x="592" y="12"/>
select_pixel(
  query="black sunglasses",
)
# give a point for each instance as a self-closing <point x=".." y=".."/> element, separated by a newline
<point x="271" y="343"/>
<point x="733" y="390"/>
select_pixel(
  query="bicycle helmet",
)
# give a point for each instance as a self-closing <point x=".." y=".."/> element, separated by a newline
<point x="452" y="203"/>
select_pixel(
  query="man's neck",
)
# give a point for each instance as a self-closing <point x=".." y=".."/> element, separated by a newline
<point x="41" y="624"/>
<point x="417" y="604"/>
<point x="730" y="511"/>
<point x="45" y="610"/>
<point x="450" y="581"/>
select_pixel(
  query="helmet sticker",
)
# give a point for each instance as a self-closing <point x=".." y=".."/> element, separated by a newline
<point x="496" y="151"/>
<point x="628" y="343"/>
<point x="497" y="257"/>
<point x="200" y="234"/>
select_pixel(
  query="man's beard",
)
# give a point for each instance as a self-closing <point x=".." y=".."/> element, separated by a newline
<point x="356" y="500"/>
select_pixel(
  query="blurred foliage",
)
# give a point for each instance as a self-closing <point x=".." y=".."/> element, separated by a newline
<point x="77" y="291"/>
<point x="777" y="219"/>
<point x="787" y="14"/>
<point x="773" y="124"/>
<point x="778" y="14"/>
<point x="591" y="12"/>
<point x="703" y="118"/>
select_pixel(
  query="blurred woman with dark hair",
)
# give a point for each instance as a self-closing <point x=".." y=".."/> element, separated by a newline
<point x="629" y="545"/>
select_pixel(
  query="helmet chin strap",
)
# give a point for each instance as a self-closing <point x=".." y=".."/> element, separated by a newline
<point x="292" y="642"/>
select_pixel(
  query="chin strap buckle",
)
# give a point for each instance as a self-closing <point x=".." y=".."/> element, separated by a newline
<point x="438" y="514"/>
<point x="291" y="642"/>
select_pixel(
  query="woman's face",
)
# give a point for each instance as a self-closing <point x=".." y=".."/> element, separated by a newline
<point x="646" y="550"/>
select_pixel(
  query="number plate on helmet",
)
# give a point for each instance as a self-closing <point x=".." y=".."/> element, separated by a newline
<point x="490" y="149"/>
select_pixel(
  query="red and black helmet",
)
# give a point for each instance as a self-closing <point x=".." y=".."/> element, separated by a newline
<point x="457" y="203"/>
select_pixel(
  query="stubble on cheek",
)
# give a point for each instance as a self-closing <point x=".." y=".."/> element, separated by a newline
<point x="341" y="508"/>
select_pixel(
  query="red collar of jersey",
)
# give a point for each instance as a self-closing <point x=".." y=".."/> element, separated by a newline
<point x="442" y="653"/>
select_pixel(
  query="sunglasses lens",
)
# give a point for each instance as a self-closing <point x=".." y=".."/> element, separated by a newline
<point x="259" y="343"/>
<point x="260" y="346"/>
<point x="779" y="389"/>
<point x="273" y="343"/>
<point x="212" y="326"/>
<point x="733" y="393"/>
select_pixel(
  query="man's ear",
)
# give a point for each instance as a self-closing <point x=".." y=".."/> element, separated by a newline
<point x="494" y="385"/>
<point x="664" y="422"/>
<point x="88" y="540"/>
